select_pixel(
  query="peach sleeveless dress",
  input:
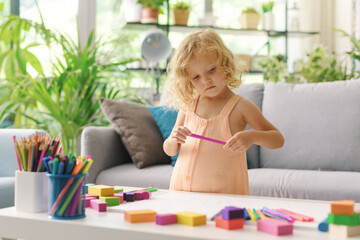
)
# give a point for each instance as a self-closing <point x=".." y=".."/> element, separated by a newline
<point x="204" y="166"/>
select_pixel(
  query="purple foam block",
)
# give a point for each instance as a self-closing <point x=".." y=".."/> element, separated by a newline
<point x="232" y="213"/>
<point x="165" y="219"/>
<point x="130" y="197"/>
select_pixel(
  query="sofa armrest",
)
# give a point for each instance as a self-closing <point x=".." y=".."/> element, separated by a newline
<point x="105" y="147"/>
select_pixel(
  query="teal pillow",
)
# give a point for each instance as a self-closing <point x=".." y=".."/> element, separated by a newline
<point x="165" y="119"/>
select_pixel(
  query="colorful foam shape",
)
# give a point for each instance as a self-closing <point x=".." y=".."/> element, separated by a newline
<point x="236" y="223"/>
<point x="118" y="190"/>
<point x="110" y="200"/>
<point x="145" y="194"/>
<point x="344" y="207"/>
<point x="120" y="196"/>
<point x="90" y="195"/>
<point x="344" y="219"/>
<point x="87" y="200"/>
<point x="138" y="196"/>
<point x="275" y="227"/>
<point x="137" y="216"/>
<point x="98" y="205"/>
<point x="232" y="213"/>
<point x="130" y="197"/>
<point x="343" y="231"/>
<point x="191" y="218"/>
<point x="101" y="190"/>
<point x="166" y="219"/>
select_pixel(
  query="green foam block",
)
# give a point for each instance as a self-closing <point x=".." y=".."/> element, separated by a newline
<point x="110" y="201"/>
<point x="344" y="219"/>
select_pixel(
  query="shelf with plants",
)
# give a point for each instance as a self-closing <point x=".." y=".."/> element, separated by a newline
<point x="268" y="33"/>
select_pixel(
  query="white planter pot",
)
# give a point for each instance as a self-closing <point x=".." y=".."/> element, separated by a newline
<point x="268" y="20"/>
<point x="132" y="10"/>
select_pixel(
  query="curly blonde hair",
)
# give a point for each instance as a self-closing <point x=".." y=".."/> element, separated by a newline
<point x="179" y="91"/>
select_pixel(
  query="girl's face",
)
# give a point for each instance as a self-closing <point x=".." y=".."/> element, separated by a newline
<point x="206" y="75"/>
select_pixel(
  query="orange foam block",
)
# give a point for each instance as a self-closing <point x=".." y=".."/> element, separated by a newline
<point x="101" y="190"/>
<point x="230" y="224"/>
<point x="275" y="227"/>
<point x="344" y="207"/>
<point x="137" y="216"/>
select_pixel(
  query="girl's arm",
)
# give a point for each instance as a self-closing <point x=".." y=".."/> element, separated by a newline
<point x="264" y="134"/>
<point x="178" y="135"/>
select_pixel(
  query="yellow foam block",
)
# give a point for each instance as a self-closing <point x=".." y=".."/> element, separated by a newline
<point x="343" y="231"/>
<point x="191" y="218"/>
<point x="136" y="216"/>
<point x="101" y="190"/>
<point x="344" y="207"/>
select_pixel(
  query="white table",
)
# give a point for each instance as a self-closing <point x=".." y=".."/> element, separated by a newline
<point x="111" y="224"/>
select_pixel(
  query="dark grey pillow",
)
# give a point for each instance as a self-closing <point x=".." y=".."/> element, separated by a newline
<point x="138" y="131"/>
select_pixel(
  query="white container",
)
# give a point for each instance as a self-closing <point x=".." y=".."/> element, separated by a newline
<point x="132" y="10"/>
<point x="268" y="21"/>
<point x="31" y="191"/>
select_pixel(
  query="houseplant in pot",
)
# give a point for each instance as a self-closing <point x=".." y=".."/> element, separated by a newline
<point x="132" y="10"/>
<point x="181" y="11"/>
<point x="249" y="18"/>
<point x="151" y="10"/>
<point x="268" y="15"/>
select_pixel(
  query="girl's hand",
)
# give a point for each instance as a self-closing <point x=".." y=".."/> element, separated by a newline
<point x="178" y="135"/>
<point x="240" y="142"/>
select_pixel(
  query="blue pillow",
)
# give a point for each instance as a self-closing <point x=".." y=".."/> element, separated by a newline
<point x="165" y="119"/>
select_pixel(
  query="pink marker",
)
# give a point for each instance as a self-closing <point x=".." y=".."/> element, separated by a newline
<point x="207" y="139"/>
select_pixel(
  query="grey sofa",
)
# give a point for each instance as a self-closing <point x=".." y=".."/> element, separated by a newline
<point x="8" y="163"/>
<point x="320" y="159"/>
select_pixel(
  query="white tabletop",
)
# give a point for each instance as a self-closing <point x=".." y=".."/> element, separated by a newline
<point x="111" y="224"/>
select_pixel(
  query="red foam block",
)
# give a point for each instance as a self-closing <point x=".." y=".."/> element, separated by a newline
<point x="236" y="223"/>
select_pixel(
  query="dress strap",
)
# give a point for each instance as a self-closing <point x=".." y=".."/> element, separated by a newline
<point x="230" y="105"/>
<point x="193" y="107"/>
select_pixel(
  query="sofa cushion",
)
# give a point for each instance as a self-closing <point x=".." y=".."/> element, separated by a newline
<point x="165" y="119"/>
<point x="128" y="175"/>
<point x="7" y="191"/>
<point x="320" y="123"/>
<point x="304" y="184"/>
<point x="138" y="131"/>
<point x="254" y="93"/>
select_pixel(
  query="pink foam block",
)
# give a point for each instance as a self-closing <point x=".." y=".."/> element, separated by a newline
<point x="145" y="194"/>
<point x="275" y="227"/>
<point x="90" y="195"/>
<point x="138" y="196"/>
<point x="87" y="200"/>
<point x="165" y="219"/>
<point x="98" y="205"/>
<point x="120" y="195"/>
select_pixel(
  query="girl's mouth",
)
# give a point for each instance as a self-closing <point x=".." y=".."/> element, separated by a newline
<point x="208" y="88"/>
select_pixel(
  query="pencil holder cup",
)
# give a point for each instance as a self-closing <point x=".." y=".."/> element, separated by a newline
<point x="65" y="201"/>
<point x="31" y="191"/>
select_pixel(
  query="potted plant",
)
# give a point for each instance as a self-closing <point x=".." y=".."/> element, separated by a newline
<point x="268" y="15"/>
<point x="151" y="10"/>
<point x="249" y="18"/>
<point x="132" y="10"/>
<point x="181" y="12"/>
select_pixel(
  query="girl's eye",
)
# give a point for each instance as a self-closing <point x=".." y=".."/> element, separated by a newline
<point x="196" y="77"/>
<point x="213" y="69"/>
